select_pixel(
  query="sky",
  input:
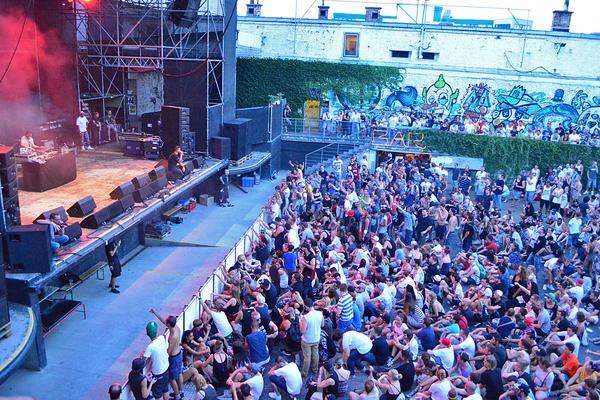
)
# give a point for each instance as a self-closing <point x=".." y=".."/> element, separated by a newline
<point x="584" y="20"/>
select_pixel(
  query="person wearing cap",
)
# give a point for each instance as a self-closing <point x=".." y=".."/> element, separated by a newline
<point x="158" y="357"/>
<point x="444" y="354"/>
<point x="139" y="385"/>
<point x="285" y="378"/>
<point x="175" y="352"/>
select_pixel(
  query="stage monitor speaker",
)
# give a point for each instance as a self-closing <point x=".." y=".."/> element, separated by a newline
<point x="82" y="208"/>
<point x="220" y="147"/>
<point x="28" y="248"/>
<point x="122" y="190"/>
<point x="184" y="12"/>
<point x="127" y="202"/>
<point x="140" y="181"/>
<point x="97" y="219"/>
<point x="58" y="210"/>
<point x="175" y="126"/>
<point x="73" y="231"/>
<point x="189" y="167"/>
<point x="199" y="162"/>
<point x="8" y="174"/>
<point x="237" y="131"/>
<point x="7" y="158"/>
<point x="144" y="193"/>
<point x="157" y="172"/>
<point x="159" y="184"/>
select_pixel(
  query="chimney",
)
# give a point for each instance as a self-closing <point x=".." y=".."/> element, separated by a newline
<point x="253" y="8"/>
<point x="373" y="14"/>
<point x="561" y="21"/>
<point x="323" y="12"/>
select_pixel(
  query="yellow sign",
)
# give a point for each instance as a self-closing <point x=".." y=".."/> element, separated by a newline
<point x="312" y="109"/>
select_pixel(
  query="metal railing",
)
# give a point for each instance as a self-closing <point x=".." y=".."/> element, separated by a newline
<point x="214" y="284"/>
<point x="327" y="153"/>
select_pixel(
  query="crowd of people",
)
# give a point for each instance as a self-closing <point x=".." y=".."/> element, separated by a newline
<point x="354" y="123"/>
<point x="401" y="280"/>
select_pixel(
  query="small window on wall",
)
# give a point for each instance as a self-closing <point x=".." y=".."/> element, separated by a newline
<point x="400" y="53"/>
<point x="350" y="44"/>
<point x="428" y="55"/>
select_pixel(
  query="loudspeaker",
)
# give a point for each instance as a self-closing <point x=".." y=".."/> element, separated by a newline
<point x="122" y="190"/>
<point x="157" y="172"/>
<point x="28" y="248"/>
<point x="189" y="167"/>
<point x="114" y="209"/>
<point x="82" y="208"/>
<point x="141" y="181"/>
<point x="8" y="174"/>
<point x="58" y="210"/>
<point x="73" y="230"/>
<point x="12" y="210"/>
<point x="220" y="147"/>
<point x="175" y="126"/>
<point x="4" y="315"/>
<point x="237" y="131"/>
<point x="97" y="219"/>
<point x="127" y="202"/>
<point x="7" y="158"/>
<point x="199" y="162"/>
<point x="184" y="12"/>
<point x="151" y="123"/>
<point x="144" y="193"/>
<point x="10" y="189"/>
<point x="159" y="184"/>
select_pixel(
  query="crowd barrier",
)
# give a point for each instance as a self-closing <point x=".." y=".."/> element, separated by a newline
<point x="214" y="284"/>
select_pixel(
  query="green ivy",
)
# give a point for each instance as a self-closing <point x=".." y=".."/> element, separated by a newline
<point x="258" y="79"/>
<point x="509" y="155"/>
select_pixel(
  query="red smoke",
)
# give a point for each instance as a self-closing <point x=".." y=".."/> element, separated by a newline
<point x="48" y="70"/>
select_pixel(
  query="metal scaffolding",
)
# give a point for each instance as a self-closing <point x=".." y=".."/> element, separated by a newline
<point x="118" y="37"/>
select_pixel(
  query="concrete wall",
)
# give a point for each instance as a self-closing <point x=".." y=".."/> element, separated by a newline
<point x="295" y="151"/>
<point x="494" y="73"/>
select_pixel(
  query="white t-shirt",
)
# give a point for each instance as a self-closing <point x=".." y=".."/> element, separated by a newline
<point x="468" y="346"/>
<point x="292" y="376"/>
<point x="576" y="342"/>
<point x="82" y="123"/>
<point x="157" y="353"/>
<point x="446" y="355"/>
<point x="337" y="165"/>
<point x="313" y="320"/>
<point x="353" y="340"/>
<point x="474" y="396"/>
<point x="222" y="323"/>
<point x="439" y="390"/>
<point x="256" y="384"/>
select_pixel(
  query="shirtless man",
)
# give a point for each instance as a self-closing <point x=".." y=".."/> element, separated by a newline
<point x="174" y="351"/>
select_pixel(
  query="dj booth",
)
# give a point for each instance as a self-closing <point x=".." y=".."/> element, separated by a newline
<point x="41" y="174"/>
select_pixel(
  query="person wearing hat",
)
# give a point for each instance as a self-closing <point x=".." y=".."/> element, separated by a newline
<point x="157" y="353"/>
<point x="175" y="352"/>
<point x="444" y="354"/>
<point x="139" y="385"/>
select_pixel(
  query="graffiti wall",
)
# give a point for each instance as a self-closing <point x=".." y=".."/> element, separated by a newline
<point x="482" y="99"/>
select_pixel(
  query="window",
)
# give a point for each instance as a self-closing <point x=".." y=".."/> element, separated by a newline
<point x="503" y="26"/>
<point x="350" y="44"/>
<point x="428" y="55"/>
<point x="400" y="53"/>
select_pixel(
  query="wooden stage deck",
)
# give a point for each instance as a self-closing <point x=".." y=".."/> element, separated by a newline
<point x="98" y="173"/>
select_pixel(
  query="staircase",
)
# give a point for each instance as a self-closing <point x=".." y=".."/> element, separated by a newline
<point x="326" y="154"/>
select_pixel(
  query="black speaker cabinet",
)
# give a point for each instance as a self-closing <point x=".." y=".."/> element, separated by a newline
<point x="220" y="147"/>
<point x="159" y="184"/>
<point x="175" y="126"/>
<point x="10" y="189"/>
<point x="58" y="210"/>
<point x="144" y="193"/>
<point x="237" y="131"/>
<point x="7" y="158"/>
<point x="8" y="174"/>
<point x="127" y="202"/>
<point x="189" y="167"/>
<point x="140" y="181"/>
<point x="97" y="219"/>
<point x="28" y="248"/>
<point x="122" y="190"/>
<point x="199" y="162"/>
<point x="73" y="231"/>
<point x="157" y="173"/>
<point x="4" y="315"/>
<point x="82" y="208"/>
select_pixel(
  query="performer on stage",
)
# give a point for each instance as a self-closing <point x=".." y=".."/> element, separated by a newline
<point x="82" y="125"/>
<point x="96" y="129"/>
<point x="111" y="127"/>
<point x="175" y="167"/>
<point x="28" y="143"/>
<point x="57" y="230"/>
<point x="224" y="198"/>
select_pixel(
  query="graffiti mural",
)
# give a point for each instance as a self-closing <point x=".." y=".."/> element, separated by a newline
<point x="477" y="101"/>
<point x="516" y="104"/>
<point x="439" y="97"/>
<point x="404" y="97"/>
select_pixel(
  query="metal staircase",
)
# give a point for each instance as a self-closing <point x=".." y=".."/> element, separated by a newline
<point x="326" y="154"/>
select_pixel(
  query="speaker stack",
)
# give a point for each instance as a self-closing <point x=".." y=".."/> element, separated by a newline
<point x="220" y="147"/>
<point x="10" y="191"/>
<point x="28" y="248"/>
<point x="237" y="131"/>
<point x="175" y="129"/>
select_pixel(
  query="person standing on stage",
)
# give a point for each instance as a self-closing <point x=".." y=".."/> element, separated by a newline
<point x="28" y="143"/>
<point x="96" y="129"/>
<point x="224" y="180"/>
<point x="175" y="167"/>
<point x="82" y="125"/>
<point x="114" y="263"/>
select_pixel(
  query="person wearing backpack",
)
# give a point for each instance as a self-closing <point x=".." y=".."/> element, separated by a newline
<point x="310" y="328"/>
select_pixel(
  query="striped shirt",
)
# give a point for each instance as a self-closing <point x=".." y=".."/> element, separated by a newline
<point x="345" y="304"/>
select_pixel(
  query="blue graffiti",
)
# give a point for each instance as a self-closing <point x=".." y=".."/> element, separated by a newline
<point x="477" y="101"/>
<point x="405" y="97"/>
<point x="555" y="114"/>
<point x="516" y="104"/>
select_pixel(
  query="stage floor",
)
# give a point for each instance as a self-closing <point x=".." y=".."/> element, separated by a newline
<point x="98" y="172"/>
